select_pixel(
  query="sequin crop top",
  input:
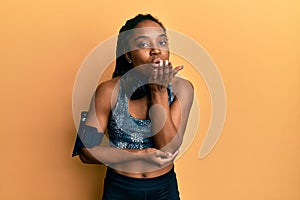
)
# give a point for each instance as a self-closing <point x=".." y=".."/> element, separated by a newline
<point x="124" y="130"/>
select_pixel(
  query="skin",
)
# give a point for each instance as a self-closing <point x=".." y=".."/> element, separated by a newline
<point x="147" y="46"/>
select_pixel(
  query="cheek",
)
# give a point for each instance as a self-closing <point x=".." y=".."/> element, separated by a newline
<point x="140" y="56"/>
<point x="165" y="55"/>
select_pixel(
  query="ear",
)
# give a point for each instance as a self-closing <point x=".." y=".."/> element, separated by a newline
<point x="128" y="57"/>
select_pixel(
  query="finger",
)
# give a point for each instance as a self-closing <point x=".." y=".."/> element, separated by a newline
<point x="170" y="70"/>
<point x="166" y="161"/>
<point x="161" y="154"/>
<point x="154" y="75"/>
<point x="160" y="72"/>
<point x="161" y="63"/>
<point x="177" y="69"/>
<point x="166" y="62"/>
<point x="166" y="154"/>
<point x="172" y="155"/>
<point x="175" y="153"/>
<point x="166" y="73"/>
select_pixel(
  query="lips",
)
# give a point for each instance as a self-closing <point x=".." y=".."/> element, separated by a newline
<point x="156" y="62"/>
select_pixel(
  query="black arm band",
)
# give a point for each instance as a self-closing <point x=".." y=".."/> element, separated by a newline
<point x="87" y="136"/>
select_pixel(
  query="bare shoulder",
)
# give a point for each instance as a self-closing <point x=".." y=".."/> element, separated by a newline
<point x="106" y="88"/>
<point x="100" y="105"/>
<point x="183" y="86"/>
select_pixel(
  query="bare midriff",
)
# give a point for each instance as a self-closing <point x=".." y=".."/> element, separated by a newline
<point x="151" y="174"/>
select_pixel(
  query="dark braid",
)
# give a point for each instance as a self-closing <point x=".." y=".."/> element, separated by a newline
<point x="122" y="65"/>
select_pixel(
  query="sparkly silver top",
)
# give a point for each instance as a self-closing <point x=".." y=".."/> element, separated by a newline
<point x="125" y="131"/>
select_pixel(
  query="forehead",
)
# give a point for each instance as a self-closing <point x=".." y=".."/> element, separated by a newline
<point x="147" y="23"/>
<point x="148" y="28"/>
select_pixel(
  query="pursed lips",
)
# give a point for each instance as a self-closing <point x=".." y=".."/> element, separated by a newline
<point x="155" y="62"/>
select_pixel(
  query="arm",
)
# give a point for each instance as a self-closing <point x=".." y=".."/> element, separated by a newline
<point x="126" y="160"/>
<point x="135" y="161"/>
<point x="169" y="135"/>
<point x="98" y="116"/>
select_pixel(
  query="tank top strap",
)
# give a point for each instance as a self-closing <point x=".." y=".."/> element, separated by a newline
<point x="170" y="94"/>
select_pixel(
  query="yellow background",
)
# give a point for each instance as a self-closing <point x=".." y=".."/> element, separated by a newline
<point x="255" y="45"/>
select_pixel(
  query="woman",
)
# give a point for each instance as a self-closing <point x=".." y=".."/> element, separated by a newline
<point x="144" y="108"/>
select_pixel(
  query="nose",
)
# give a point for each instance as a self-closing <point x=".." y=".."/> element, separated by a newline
<point x="155" y="51"/>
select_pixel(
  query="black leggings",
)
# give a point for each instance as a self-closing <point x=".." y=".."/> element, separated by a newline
<point x="119" y="187"/>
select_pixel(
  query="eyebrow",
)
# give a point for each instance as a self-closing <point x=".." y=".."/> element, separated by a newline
<point x="139" y="37"/>
<point x="143" y="36"/>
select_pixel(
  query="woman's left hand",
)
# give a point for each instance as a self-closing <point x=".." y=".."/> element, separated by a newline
<point x="162" y="75"/>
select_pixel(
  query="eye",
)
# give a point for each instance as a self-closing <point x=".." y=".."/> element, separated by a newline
<point x="163" y="43"/>
<point x="143" y="45"/>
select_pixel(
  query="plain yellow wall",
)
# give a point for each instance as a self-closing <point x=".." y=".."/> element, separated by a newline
<point x="255" y="45"/>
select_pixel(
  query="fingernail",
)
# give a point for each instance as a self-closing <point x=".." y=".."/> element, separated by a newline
<point x="161" y="62"/>
<point x="166" y="62"/>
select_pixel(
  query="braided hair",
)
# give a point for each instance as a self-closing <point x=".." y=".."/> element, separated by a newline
<point x="122" y="65"/>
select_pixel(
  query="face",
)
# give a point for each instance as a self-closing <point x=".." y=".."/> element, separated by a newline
<point x="148" y="44"/>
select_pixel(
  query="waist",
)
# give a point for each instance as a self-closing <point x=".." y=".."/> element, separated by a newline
<point x="122" y="180"/>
